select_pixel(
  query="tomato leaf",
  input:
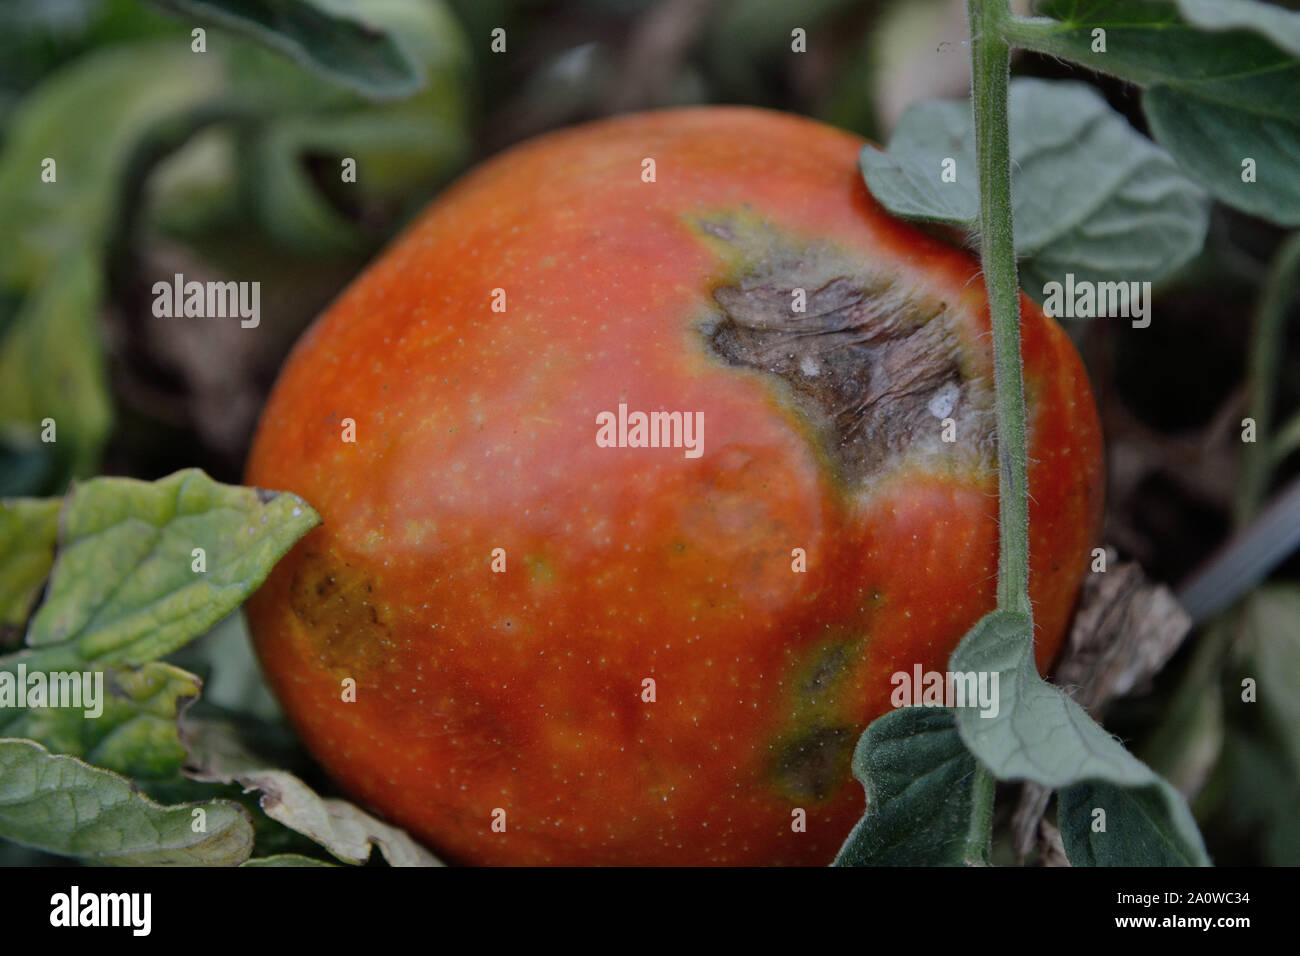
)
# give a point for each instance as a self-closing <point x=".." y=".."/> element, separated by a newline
<point x="232" y="677"/>
<point x="1107" y="825"/>
<point x="1091" y="195"/>
<point x="399" y="148"/>
<point x="1234" y="50"/>
<point x="28" y="527"/>
<point x="285" y="859"/>
<point x="1038" y="733"/>
<point x="63" y="805"/>
<point x="351" y="49"/>
<point x="1271" y="643"/>
<point x="52" y="372"/>
<point x="918" y="778"/>
<point x="1254" y="789"/>
<point x="130" y="724"/>
<point x="87" y="118"/>
<point x="28" y="465"/>
<point x="123" y="592"/>
<point x="906" y="177"/>
<point x="1222" y="77"/>
<point x="218" y="756"/>
<point x="125" y="586"/>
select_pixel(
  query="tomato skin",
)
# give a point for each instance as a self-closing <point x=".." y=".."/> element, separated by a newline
<point x="523" y="691"/>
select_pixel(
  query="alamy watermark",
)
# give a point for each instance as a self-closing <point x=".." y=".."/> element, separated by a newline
<point x="132" y="911"/>
<point x="946" y="689"/>
<point x="1084" y="299"/>
<point x="79" y="690"/>
<point x="208" y="300"/>
<point x="683" y="430"/>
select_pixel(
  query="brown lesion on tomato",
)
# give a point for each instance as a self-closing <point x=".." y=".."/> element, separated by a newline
<point x="333" y="601"/>
<point x="813" y="765"/>
<point x="873" y="365"/>
<point x="820" y="676"/>
<point x="811" y="759"/>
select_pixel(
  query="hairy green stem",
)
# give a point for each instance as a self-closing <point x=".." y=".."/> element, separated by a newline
<point x="990" y="73"/>
<point x="990" y="70"/>
<point x="979" y="834"/>
<point x="1259" y="457"/>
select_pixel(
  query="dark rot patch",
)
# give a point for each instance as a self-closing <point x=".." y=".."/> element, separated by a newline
<point x="333" y="600"/>
<point x="812" y="757"/>
<point x="813" y="765"/>
<point x="873" y="366"/>
<point x="818" y="679"/>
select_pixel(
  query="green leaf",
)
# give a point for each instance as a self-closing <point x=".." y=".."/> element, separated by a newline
<point x="397" y="150"/>
<point x="51" y="366"/>
<point x="218" y="756"/>
<point x="918" y="777"/>
<point x="339" y="40"/>
<point x="88" y="118"/>
<point x="401" y="149"/>
<point x="28" y="466"/>
<point x="62" y="805"/>
<point x="1039" y="734"/>
<point x="129" y="727"/>
<point x="1260" y="791"/>
<point x="233" y="679"/>
<point x="290" y="206"/>
<point x="1211" y="142"/>
<point x="1188" y="736"/>
<point x="1282" y="27"/>
<point x="1222" y="80"/>
<point x="905" y="178"/>
<point x="1230" y="49"/>
<point x="123" y="592"/>
<point x="1091" y="195"/>
<point x="1271" y="643"/>
<point x="28" y="527"/>
<point x="123" y="588"/>
<point x="1139" y="829"/>
<point x="285" y="859"/>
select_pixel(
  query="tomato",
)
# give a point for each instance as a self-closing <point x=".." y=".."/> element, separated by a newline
<point x="526" y="639"/>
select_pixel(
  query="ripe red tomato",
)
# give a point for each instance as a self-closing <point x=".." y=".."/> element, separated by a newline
<point x="523" y="697"/>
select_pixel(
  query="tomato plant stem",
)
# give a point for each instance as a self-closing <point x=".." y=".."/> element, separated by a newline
<point x="990" y="69"/>
<point x="1259" y="457"/>
<point x="990" y="77"/>
<point x="979" y="835"/>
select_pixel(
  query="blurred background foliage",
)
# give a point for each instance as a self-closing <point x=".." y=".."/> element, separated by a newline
<point x="225" y="165"/>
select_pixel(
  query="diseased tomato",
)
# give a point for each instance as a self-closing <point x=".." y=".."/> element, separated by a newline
<point x="523" y="696"/>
